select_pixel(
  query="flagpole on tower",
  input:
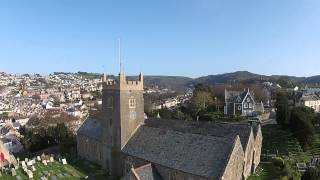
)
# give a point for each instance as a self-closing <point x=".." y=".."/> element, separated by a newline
<point x="119" y="54"/>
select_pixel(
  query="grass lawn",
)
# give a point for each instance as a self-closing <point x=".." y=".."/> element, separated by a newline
<point x="282" y="143"/>
<point x="77" y="168"/>
<point x="54" y="169"/>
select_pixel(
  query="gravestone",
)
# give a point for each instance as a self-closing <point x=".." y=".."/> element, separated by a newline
<point x="38" y="158"/>
<point x="13" y="172"/>
<point x="33" y="168"/>
<point x="51" y="159"/>
<point x="30" y="174"/>
<point x="64" y="161"/>
<point x="23" y="163"/>
<point x="45" y="162"/>
<point x="29" y="163"/>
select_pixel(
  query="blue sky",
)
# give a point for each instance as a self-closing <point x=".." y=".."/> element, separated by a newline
<point x="161" y="37"/>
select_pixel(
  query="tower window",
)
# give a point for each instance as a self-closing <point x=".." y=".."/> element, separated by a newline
<point x="132" y="103"/>
<point x="110" y="102"/>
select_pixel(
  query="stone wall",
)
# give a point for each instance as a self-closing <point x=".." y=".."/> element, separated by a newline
<point x="234" y="168"/>
<point x="257" y="148"/>
<point x="89" y="149"/>
<point x="248" y="155"/>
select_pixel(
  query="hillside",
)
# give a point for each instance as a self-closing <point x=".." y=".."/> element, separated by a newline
<point x="239" y="76"/>
<point x="177" y="83"/>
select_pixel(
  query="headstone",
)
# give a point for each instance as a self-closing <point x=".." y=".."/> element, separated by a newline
<point x="29" y="163"/>
<point x="33" y="168"/>
<point x="30" y="174"/>
<point x="13" y="172"/>
<point x="54" y="178"/>
<point x="51" y="159"/>
<point x="23" y="163"/>
<point x="19" y="178"/>
<point x="26" y="159"/>
<point x="64" y="161"/>
<point x="38" y="158"/>
<point x="45" y="162"/>
<point x="25" y="169"/>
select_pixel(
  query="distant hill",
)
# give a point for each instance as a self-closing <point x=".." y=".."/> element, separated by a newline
<point x="180" y="83"/>
<point x="177" y="83"/>
<point x="313" y="79"/>
<point x="239" y="76"/>
<point x="243" y="77"/>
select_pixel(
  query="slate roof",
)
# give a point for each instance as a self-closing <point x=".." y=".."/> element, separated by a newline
<point x="145" y="172"/>
<point x="196" y="154"/>
<point x="217" y="129"/>
<point x="232" y="96"/>
<point x="311" y="97"/>
<point x="92" y="128"/>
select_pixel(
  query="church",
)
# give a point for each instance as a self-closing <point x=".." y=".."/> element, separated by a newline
<point x="129" y="146"/>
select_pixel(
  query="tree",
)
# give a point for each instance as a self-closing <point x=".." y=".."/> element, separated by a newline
<point x="311" y="174"/>
<point x="282" y="109"/>
<point x="302" y="119"/>
<point x="200" y="101"/>
<point x="283" y="170"/>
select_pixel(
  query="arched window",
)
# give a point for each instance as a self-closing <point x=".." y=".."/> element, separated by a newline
<point x="132" y="103"/>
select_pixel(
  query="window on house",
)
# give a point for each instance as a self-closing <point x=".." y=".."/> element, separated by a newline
<point x="110" y="121"/>
<point x="245" y="105"/>
<point x="239" y="108"/>
<point x="250" y="105"/>
<point x="132" y="103"/>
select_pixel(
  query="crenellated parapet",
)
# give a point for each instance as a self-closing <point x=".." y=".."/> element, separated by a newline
<point x="123" y="84"/>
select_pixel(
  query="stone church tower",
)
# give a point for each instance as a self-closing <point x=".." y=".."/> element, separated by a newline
<point x="123" y="108"/>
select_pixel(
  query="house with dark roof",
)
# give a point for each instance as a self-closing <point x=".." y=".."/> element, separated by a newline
<point x="241" y="103"/>
<point x="127" y="145"/>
